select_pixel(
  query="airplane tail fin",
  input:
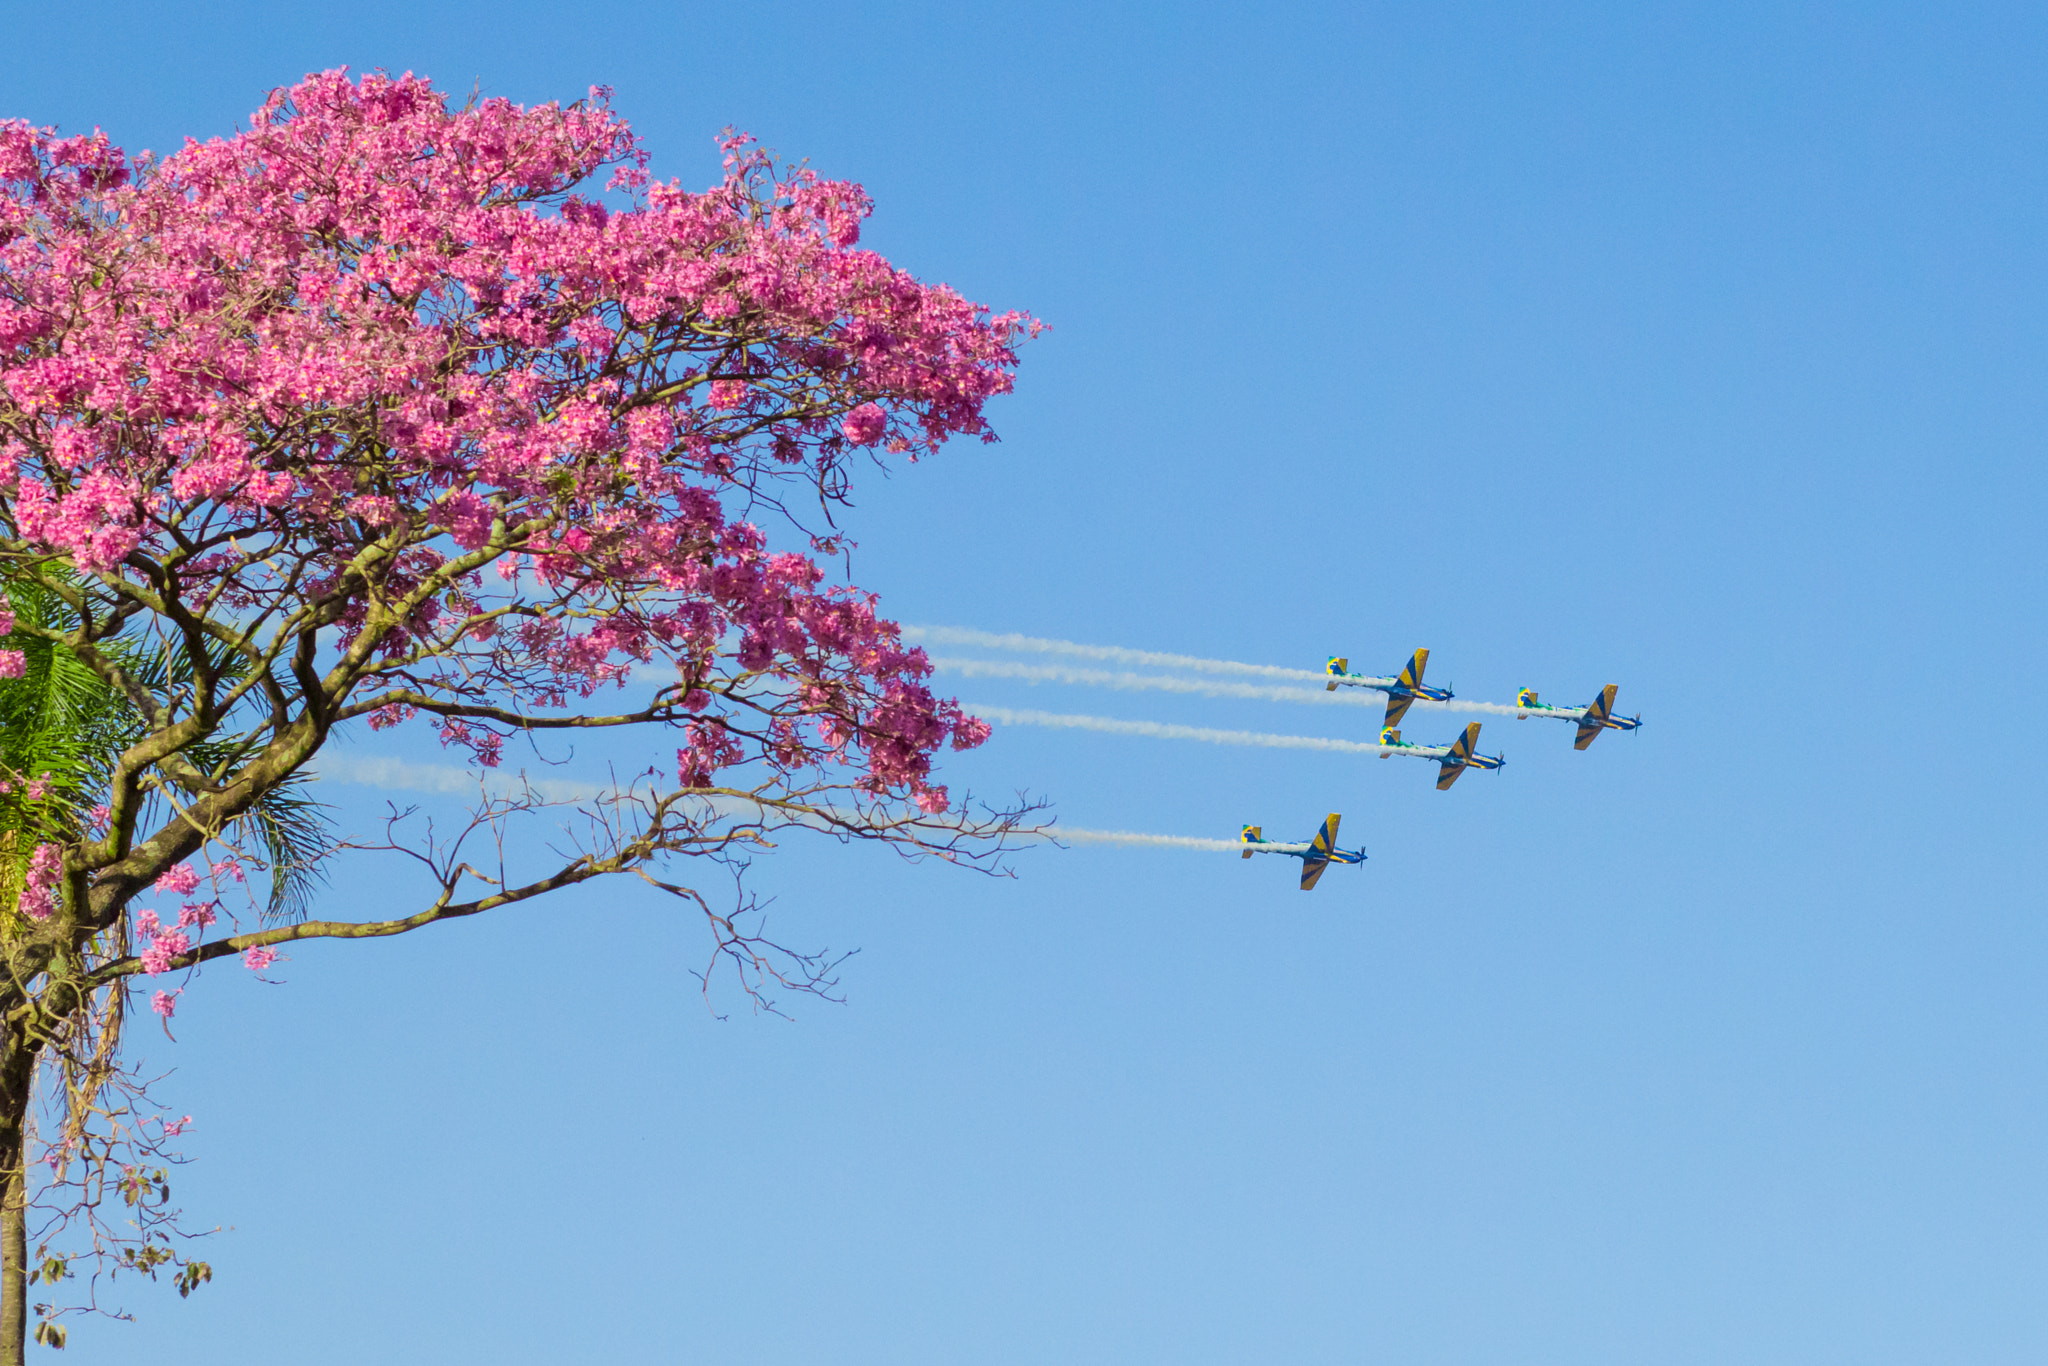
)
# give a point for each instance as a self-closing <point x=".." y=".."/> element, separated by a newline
<point x="1251" y="835"/>
<point x="1389" y="735"/>
<point x="1338" y="667"/>
<point x="1412" y="674"/>
<point x="1460" y="757"/>
<point x="1595" y="719"/>
<point x="1525" y="697"/>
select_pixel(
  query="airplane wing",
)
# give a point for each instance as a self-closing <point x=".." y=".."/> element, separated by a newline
<point x="1326" y="838"/>
<point x="1595" y="719"/>
<point x="1412" y="675"/>
<point x="1459" y="757"/>
<point x="1312" y="871"/>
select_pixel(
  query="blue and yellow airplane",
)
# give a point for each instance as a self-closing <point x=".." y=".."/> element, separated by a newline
<point x="1596" y="716"/>
<point x="1318" y="854"/>
<point x="1401" y="690"/>
<point x="1459" y="755"/>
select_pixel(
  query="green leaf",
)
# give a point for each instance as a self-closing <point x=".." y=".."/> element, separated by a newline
<point x="190" y="1279"/>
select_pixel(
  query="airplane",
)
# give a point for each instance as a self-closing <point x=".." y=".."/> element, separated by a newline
<point x="1318" y="854"/>
<point x="1400" y="691"/>
<point x="1593" y="718"/>
<point x="1461" y="754"/>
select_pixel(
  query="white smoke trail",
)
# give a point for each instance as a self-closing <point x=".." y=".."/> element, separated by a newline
<point x="1130" y="682"/>
<point x="1132" y="838"/>
<point x="953" y="635"/>
<point x="1160" y="731"/>
<point x="397" y="775"/>
<point x="662" y="673"/>
<point x="1459" y="704"/>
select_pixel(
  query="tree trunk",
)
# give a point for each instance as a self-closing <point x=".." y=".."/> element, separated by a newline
<point x="14" y="1260"/>
<point x="17" y="1068"/>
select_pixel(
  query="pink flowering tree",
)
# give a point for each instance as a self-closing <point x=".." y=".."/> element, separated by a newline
<point x="389" y="413"/>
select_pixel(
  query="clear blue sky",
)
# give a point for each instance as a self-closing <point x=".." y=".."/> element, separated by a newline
<point x="1697" y="349"/>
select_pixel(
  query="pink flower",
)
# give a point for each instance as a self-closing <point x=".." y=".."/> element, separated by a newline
<point x="228" y="868"/>
<point x="168" y="944"/>
<point x="174" y="1127"/>
<point x="146" y="922"/>
<point x="39" y="894"/>
<point x="165" y="1003"/>
<point x="13" y="664"/>
<point x="864" y="425"/>
<point x="178" y="880"/>
<point x="728" y="393"/>
<point x="36" y="789"/>
<point x="195" y="913"/>
<point x="256" y="958"/>
<point x="469" y="519"/>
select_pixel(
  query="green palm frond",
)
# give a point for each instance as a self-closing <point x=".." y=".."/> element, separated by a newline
<point x="63" y="725"/>
<point x="295" y="832"/>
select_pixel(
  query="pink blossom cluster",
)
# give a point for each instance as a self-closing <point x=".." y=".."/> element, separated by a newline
<point x="167" y="944"/>
<point x="178" y="881"/>
<point x="13" y="663"/>
<point x="40" y="894"/>
<point x="193" y="353"/>
<point x="167" y="941"/>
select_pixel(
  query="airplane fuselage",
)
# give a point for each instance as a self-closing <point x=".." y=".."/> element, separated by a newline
<point x="1392" y="687"/>
<point x="1591" y="720"/>
<point x="1389" y="748"/>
